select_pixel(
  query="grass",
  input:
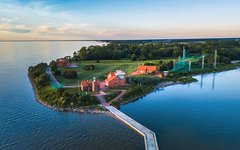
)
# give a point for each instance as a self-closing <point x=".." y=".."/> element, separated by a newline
<point x="111" y="95"/>
<point x="102" y="69"/>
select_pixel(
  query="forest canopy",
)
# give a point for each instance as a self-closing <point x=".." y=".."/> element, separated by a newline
<point x="227" y="50"/>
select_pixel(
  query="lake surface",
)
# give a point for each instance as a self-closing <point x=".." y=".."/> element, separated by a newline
<point x="204" y="115"/>
<point x="26" y="124"/>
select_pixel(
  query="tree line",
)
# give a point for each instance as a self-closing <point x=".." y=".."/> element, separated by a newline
<point x="227" y="50"/>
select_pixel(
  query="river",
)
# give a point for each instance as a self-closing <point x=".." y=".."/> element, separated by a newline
<point x="26" y="124"/>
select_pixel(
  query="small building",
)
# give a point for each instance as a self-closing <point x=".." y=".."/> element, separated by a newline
<point x="146" y="69"/>
<point x="62" y="62"/>
<point x="90" y="85"/>
<point x="117" y="78"/>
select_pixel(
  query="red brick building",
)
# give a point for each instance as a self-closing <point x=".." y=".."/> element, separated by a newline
<point x="90" y="85"/>
<point x="62" y="62"/>
<point x="117" y="78"/>
<point x="146" y="69"/>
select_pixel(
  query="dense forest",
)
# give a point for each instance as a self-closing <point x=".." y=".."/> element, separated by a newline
<point x="227" y="50"/>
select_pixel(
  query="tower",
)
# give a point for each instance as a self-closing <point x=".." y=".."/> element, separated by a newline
<point x="203" y="61"/>
<point x="94" y="85"/>
<point x="215" y="59"/>
<point x="184" y="54"/>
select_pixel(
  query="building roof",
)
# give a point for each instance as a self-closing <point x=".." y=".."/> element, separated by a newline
<point x="111" y="74"/>
<point x="110" y="78"/>
<point x="147" y="68"/>
<point x="120" y="72"/>
<point x="63" y="59"/>
<point x="84" y="83"/>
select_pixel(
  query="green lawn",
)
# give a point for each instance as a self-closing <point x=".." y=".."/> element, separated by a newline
<point x="102" y="69"/>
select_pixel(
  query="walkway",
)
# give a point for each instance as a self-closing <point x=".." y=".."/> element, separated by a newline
<point x="149" y="136"/>
<point x="55" y="83"/>
<point x="119" y="96"/>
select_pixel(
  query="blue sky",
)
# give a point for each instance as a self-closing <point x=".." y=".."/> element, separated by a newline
<point x="122" y="19"/>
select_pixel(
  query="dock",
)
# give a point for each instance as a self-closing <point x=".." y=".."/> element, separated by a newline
<point x="149" y="136"/>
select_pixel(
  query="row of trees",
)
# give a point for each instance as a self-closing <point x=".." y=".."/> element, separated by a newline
<point x="227" y="50"/>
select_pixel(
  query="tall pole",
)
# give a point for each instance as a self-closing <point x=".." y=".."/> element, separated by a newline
<point x="203" y="61"/>
<point x="189" y="66"/>
<point x="78" y="88"/>
<point x="215" y="59"/>
<point x="184" y="53"/>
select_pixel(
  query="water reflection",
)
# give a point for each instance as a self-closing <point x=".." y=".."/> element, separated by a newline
<point x="185" y="117"/>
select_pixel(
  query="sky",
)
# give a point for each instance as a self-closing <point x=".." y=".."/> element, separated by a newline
<point x="118" y="19"/>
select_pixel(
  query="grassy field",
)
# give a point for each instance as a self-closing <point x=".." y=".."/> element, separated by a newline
<point x="102" y="69"/>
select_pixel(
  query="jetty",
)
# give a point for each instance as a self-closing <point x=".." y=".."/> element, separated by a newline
<point x="149" y="136"/>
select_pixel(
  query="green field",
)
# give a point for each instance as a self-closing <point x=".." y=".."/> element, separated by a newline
<point x="102" y="69"/>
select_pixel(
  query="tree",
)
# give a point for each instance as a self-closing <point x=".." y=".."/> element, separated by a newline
<point x="53" y="65"/>
<point x="69" y="73"/>
<point x="57" y="72"/>
<point x="89" y="67"/>
<point x="133" y="57"/>
<point x="43" y="80"/>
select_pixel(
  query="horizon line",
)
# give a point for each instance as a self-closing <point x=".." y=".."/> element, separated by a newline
<point x="143" y="39"/>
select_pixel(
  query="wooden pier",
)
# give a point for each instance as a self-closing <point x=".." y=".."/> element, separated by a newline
<point x="149" y="136"/>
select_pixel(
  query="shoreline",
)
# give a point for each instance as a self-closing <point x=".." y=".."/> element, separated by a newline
<point x="95" y="111"/>
<point x="160" y="85"/>
<point x="80" y="110"/>
<point x="166" y="84"/>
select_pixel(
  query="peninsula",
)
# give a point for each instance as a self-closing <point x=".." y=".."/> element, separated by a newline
<point x="121" y="72"/>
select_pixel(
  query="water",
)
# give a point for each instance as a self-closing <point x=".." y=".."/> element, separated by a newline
<point x="26" y="124"/>
<point x="199" y="116"/>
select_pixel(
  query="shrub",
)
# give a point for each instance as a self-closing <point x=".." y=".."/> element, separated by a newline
<point x="43" y="80"/>
<point x="57" y="72"/>
<point x="133" y="57"/>
<point x="36" y="71"/>
<point x="149" y="64"/>
<point x="89" y="67"/>
<point x="69" y="73"/>
<point x="53" y="65"/>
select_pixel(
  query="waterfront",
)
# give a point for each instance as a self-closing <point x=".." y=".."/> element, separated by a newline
<point x="26" y="124"/>
<point x="200" y="115"/>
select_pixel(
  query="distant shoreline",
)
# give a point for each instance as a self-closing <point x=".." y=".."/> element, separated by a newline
<point x="146" y="39"/>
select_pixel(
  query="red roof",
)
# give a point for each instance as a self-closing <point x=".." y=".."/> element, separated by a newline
<point x="84" y="83"/>
<point x="146" y="68"/>
<point x="110" y="78"/>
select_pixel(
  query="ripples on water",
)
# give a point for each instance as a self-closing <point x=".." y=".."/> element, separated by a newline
<point x="25" y="124"/>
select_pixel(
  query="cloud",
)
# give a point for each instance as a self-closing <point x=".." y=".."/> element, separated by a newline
<point x="8" y="19"/>
<point x="14" y="28"/>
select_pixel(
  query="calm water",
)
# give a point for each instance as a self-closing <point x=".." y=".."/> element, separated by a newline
<point x="25" y="124"/>
<point x="200" y="116"/>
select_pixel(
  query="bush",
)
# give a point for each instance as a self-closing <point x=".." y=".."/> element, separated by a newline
<point x="149" y="64"/>
<point x="36" y="71"/>
<point x="69" y="73"/>
<point x="43" y="80"/>
<point x="89" y="67"/>
<point x="133" y="57"/>
<point x="57" y="72"/>
<point x="53" y="65"/>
